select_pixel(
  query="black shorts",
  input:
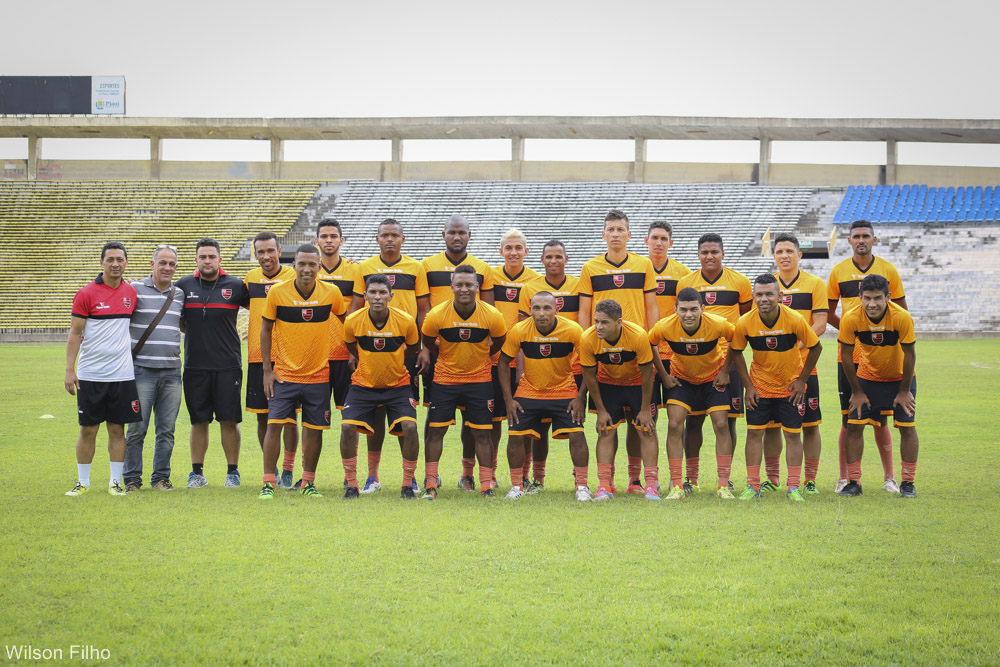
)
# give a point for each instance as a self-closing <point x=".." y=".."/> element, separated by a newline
<point x="314" y="399"/>
<point x="813" y="416"/>
<point x="735" y="394"/>
<point x="112" y="402"/>
<point x="499" y="407"/>
<point x="340" y="381"/>
<point x="209" y="394"/>
<point x="881" y="395"/>
<point x="538" y="413"/>
<point x="618" y="397"/>
<point x="659" y="391"/>
<point x="363" y="403"/>
<point x="699" y="399"/>
<point x="256" y="400"/>
<point x="776" y="412"/>
<point x="475" y="398"/>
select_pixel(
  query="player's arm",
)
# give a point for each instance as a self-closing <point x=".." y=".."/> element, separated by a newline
<point x="590" y="382"/>
<point x="486" y="295"/>
<point x="904" y="398"/>
<point x="901" y="302"/>
<point x="832" y="318"/>
<point x="72" y="351"/>
<point x="352" y="348"/>
<point x="496" y="343"/>
<point x="652" y="311"/>
<point x="423" y="306"/>
<point x="858" y="396"/>
<point x="819" y="321"/>
<point x="583" y="317"/>
<point x="644" y="420"/>
<point x="741" y="367"/>
<point x="357" y="303"/>
<point x="661" y="370"/>
<point x="722" y="378"/>
<point x="512" y="405"/>
<point x="798" y="388"/>
<point x="266" y="327"/>
<point x="745" y="307"/>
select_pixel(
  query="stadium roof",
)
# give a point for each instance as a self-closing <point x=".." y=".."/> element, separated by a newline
<point x="495" y="127"/>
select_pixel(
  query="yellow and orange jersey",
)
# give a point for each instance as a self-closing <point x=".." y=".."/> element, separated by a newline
<point x="844" y="283"/>
<point x="776" y="359"/>
<point x="697" y="357"/>
<point x="806" y="294"/>
<point x="617" y="361"/>
<point x="463" y="343"/>
<point x="300" y="339"/>
<point x="627" y="283"/>
<point x="439" y="269"/>
<point x="723" y="296"/>
<point x="507" y="291"/>
<point x="407" y="279"/>
<point x="258" y="285"/>
<point x="548" y="358"/>
<point x="342" y="277"/>
<point x="880" y="342"/>
<point x="381" y="350"/>
<point x="666" y="292"/>
<point x="567" y="296"/>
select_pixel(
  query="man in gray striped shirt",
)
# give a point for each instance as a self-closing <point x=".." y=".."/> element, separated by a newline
<point x="157" y="371"/>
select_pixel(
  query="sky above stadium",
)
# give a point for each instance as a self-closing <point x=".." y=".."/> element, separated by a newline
<point x="326" y="59"/>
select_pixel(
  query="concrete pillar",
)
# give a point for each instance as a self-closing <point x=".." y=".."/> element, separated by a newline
<point x="34" y="156"/>
<point x="397" y="160"/>
<point x="516" y="157"/>
<point x="277" y="157"/>
<point x="639" y="173"/>
<point x="764" y="165"/>
<point x="890" y="162"/>
<point x="155" y="157"/>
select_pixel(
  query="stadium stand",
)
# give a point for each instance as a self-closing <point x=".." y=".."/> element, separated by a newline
<point x="919" y="203"/>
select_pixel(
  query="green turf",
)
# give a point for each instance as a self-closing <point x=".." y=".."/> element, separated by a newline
<point x="215" y="575"/>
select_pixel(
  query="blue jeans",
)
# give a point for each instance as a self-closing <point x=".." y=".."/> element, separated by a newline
<point x="159" y="392"/>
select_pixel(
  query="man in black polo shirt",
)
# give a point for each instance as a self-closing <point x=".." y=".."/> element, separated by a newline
<point x="213" y="367"/>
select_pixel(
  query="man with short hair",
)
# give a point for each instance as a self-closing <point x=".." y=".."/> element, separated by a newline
<point x="157" y="365"/>
<point x="213" y="364"/>
<point x="659" y="240"/>
<point x="885" y="379"/>
<point x="617" y="362"/>
<point x="776" y="382"/>
<point x="726" y="293"/>
<point x="843" y="286"/>
<point x="463" y="335"/>
<point x="380" y="337"/>
<point x="258" y="283"/>
<point x="341" y="273"/>
<point x="104" y="381"/>
<point x="295" y="333"/>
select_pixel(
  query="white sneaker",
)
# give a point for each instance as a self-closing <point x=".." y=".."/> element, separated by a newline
<point x="514" y="493"/>
<point x="371" y="486"/>
<point x="583" y="494"/>
<point x="841" y="483"/>
<point x="891" y="486"/>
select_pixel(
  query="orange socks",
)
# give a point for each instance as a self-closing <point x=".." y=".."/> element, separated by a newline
<point x="485" y="478"/>
<point x="675" y="471"/>
<point x="753" y="476"/>
<point x="909" y="470"/>
<point x="516" y="477"/>
<point x="854" y="471"/>
<point x="526" y="470"/>
<point x="373" y="460"/>
<point x="409" y="467"/>
<point x="651" y="473"/>
<point x="725" y="465"/>
<point x="580" y="473"/>
<point x="842" y="452"/>
<point x="773" y="466"/>
<point x="289" y="461"/>
<point x="308" y="477"/>
<point x="468" y="467"/>
<point x="538" y="471"/>
<point x="605" y="475"/>
<point x="270" y="477"/>
<point x="692" y="470"/>
<point x="812" y="467"/>
<point x="634" y="468"/>
<point x="431" y="473"/>
<point x="794" y="476"/>
<point x="350" y="471"/>
<point x="883" y="440"/>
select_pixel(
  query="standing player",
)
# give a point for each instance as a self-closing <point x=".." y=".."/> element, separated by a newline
<point x="380" y="337"/>
<point x="776" y="382"/>
<point x="727" y="294"/>
<point x="439" y="268"/>
<point x="844" y="286"/>
<point x="697" y="383"/>
<point x="630" y="280"/>
<point x="618" y="368"/>
<point x="213" y="367"/>
<point x="408" y="283"/>
<point x="258" y="282"/>
<point x="295" y="333"/>
<point x="463" y="335"/>
<point x="884" y="380"/>
<point x="548" y="344"/>
<point x="659" y="239"/>
<point x="805" y="294"/>
<point x="104" y="381"/>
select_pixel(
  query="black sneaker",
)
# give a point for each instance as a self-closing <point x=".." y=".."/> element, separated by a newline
<point x="486" y="493"/>
<point x="907" y="490"/>
<point x="852" y="489"/>
<point x="297" y="486"/>
<point x="351" y="493"/>
<point x="407" y="493"/>
<point x="345" y="483"/>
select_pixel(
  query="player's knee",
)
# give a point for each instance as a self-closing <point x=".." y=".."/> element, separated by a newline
<point x="408" y="428"/>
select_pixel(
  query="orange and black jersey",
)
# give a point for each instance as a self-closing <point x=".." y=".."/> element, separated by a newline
<point x="806" y="294"/>
<point x="381" y="350"/>
<point x="463" y="342"/>
<point x="845" y="284"/>
<point x="627" y="283"/>
<point x="548" y="358"/>
<point x="258" y="284"/>
<point x="724" y="295"/>
<point x="407" y="279"/>
<point x="300" y="338"/>
<point x="507" y="291"/>
<point x="567" y="295"/>
<point x="666" y="292"/>
<point x="776" y="359"/>
<point x="342" y="276"/>
<point x="439" y="269"/>
<point x="698" y="357"/>
<point x="617" y="361"/>
<point x="880" y="342"/>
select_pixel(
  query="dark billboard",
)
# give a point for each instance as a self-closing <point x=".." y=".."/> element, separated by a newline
<point x="27" y="95"/>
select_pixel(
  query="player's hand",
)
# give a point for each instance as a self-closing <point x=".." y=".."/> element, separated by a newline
<point x="644" y="421"/>
<point x="268" y="383"/>
<point x="857" y="402"/>
<point x="512" y="409"/>
<point x="352" y="363"/>
<point x="751" y="397"/>
<point x="721" y="380"/>
<point x="670" y="382"/>
<point x="71" y="383"/>
<point x="798" y="392"/>
<point x="603" y="420"/>
<point x="423" y="361"/>
<point x="578" y="409"/>
<point x="905" y="400"/>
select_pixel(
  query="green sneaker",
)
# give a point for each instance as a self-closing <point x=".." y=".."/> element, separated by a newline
<point x="724" y="493"/>
<point x="750" y="493"/>
<point x="430" y="493"/>
<point x="689" y="487"/>
<point x="116" y="489"/>
<point x="309" y="489"/>
<point x="769" y="486"/>
<point x="811" y="488"/>
<point x="794" y="494"/>
<point x="78" y="490"/>
<point x="676" y="493"/>
<point x="266" y="491"/>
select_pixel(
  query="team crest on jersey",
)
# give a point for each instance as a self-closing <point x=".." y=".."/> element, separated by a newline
<point x="877" y="338"/>
<point x="786" y="299"/>
<point x="710" y="298"/>
<point x="692" y="348"/>
<point x="720" y="389"/>
<point x="267" y="288"/>
<point x="615" y="357"/>
<point x="379" y="343"/>
<point x="413" y="403"/>
<point x="489" y="404"/>
<point x="802" y="408"/>
<point x="512" y="294"/>
<point x="652" y="411"/>
<point x="127" y="301"/>
<point x="772" y="342"/>
<point x="135" y="407"/>
<point x="226" y="294"/>
<point x="660" y="286"/>
<point x="465" y="334"/>
<point x="737" y="403"/>
<point x="392" y="279"/>
<point x="619" y="280"/>
<point x="545" y="349"/>
<point x="307" y="314"/>
<point x="813" y="403"/>
<point x="560" y="302"/>
<point x="326" y="416"/>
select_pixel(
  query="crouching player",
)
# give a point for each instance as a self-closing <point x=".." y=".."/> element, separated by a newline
<point x="776" y="382"/>
<point x="546" y="391"/>
<point x="380" y="337"/>
<point x="884" y="379"/>
<point x="697" y="384"/>
<point x="618" y="368"/>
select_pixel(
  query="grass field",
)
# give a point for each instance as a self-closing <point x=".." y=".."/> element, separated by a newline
<point x="215" y="576"/>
